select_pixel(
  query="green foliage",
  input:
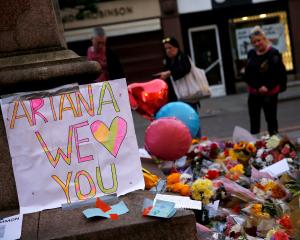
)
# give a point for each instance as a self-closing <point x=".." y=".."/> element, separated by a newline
<point x="294" y="186"/>
<point x="270" y="207"/>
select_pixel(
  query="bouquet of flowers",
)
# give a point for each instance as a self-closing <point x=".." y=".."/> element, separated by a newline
<point x="178" y="183"/>
<point x="268" y="188"/>
<point x="294" y="186"/>
<point x="235" y="172"/>
<point x="233" y="230"/>
<point x="273" y="150"/>
<point x="277" y="234"/>
<point x="202" y="190"/>
<point x="264" y="157"/>
<point x="244" y="151"/>
<point x="258" y="211"/>
<point x="286" y="149"/>
<point x="209" y="150"/>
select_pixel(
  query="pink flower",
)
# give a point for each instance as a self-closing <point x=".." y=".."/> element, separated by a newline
<point x="293" y="154"/>
<point x="285" y="150"/>
<point x="214" y="146"/>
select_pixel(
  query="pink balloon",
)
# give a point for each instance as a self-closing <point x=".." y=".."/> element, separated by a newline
<point x="167" y="139"/>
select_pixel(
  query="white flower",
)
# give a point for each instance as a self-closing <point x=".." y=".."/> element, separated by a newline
<point x="269" y="158"/>
<point x="260" y="152"/>
<point x="184" y="178"/>
<point x="264" y="181"/>
<point x="258" y="160"/>
<point x="236" y="228"/>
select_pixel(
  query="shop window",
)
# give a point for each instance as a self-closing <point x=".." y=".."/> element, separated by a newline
<point x="275" y="25"/>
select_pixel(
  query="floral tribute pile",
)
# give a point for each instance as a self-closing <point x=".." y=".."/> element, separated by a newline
<point x="242" y="200"/>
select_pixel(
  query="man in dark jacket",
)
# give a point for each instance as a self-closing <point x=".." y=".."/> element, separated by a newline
<point x="108" y="60"/>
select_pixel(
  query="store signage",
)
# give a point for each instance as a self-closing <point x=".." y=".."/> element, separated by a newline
<point x="72" y="147"/>
<point x="188" y="6"/>
<point x="274" y="32"/>
<point x="109" y="12"/>
<point x="99" y="13"/>
<point x="229" y="3"/>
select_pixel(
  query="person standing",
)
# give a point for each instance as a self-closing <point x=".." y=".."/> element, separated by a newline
<point x="111" y="67"/>
<point x="176" y="65"/>
<point x="266" y="77"/>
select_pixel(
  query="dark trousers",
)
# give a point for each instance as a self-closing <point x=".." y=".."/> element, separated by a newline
<point x="269" y="106"/>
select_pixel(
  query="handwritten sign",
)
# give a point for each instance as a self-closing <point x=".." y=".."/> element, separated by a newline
<point x="73" y="146"/>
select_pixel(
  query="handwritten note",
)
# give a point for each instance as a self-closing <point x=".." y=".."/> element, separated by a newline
<point x="180" y="202"/>
<point x="11" y="227"/>
<point x="277" y="169"/>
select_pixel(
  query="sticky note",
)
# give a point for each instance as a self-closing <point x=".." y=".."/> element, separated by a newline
<point x="117" y="209"/>
<point x="161" y="209"/>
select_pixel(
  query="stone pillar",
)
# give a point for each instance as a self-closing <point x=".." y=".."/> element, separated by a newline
<point x="33" y="52"/>
<point x="170" y="20"/>
<point x="294" y="9"/>
<point x="33" y="56"/>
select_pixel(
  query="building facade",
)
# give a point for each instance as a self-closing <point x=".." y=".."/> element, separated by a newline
<point x="213" y="32"/>
<point x="133" y="28"/>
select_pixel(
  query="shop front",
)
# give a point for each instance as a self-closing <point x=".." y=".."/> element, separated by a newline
<point x="133" y="33"/>
<point x="215" y="33"/>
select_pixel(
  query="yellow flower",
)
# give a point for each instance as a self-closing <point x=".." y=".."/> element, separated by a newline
<point x="196" y="195"/>
<point x="232" y="155"/>
<point x="269" y="186"/>
<point x="202" y="190"/>
<point x="208" y="193"/>
<point x="239" y="168"/>
<point x="256" y="208"/>
<point x="263" y="215"/>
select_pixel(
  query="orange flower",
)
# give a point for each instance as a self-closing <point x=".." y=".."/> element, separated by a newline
<point x="181" y="188"/>
<point x="251" y="148"/>
<point x="278" y="192"/>
<point x="239" y="146"/>
<point x="173" y="178"/>
<point x="256" y="210"/>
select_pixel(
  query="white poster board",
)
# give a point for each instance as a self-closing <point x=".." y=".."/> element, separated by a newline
<point x="73" y="147"/>
<point x="274" y="32"/>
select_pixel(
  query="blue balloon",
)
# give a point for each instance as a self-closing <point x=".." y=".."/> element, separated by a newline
<point x="183" y="112"/>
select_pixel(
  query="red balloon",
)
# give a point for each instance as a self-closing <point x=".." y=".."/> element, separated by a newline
<point x="146" y="98"/>
<point x="167" y="139"/>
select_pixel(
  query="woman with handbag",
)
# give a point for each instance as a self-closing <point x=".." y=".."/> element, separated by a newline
<point x="265" y="75"/>
<point x="177" y="65"/>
